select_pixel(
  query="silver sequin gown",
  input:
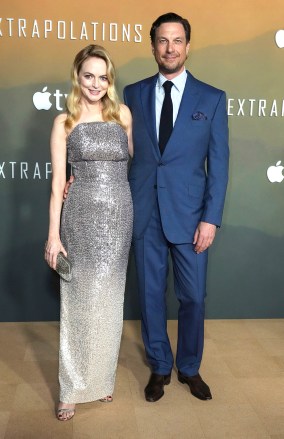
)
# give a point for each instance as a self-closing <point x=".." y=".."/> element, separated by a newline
<point x="96" y="229"/>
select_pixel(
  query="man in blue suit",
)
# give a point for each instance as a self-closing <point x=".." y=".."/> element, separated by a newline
<point x="178" y="179"/>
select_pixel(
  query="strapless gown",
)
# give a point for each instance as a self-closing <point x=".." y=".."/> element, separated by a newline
<point x="96" y="229"/>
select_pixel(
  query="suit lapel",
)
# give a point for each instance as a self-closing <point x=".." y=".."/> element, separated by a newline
<point x="149" y="110"/>
<point x="188" y="104"/>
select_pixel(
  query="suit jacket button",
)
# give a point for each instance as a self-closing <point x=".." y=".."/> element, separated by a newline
<point x="161" y="164"/>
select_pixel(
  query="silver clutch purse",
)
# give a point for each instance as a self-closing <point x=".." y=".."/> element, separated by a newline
<point x="63" y="267"/>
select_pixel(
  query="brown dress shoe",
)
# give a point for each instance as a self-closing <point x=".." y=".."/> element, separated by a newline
<point x="155" y="388"/>
<point x="196" y="385"/>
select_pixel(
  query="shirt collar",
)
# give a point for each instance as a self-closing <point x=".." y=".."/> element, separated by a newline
<point x="179" y="81"/>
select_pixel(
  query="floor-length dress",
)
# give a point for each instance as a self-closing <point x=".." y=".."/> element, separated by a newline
<point x="96" y="229"/>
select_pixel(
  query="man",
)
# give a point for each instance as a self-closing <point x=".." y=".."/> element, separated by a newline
<point x="178" y="179"/>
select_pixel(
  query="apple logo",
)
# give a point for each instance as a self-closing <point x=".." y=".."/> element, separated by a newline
<point x="274" y="173"/>
<point x="279" y="38"/>
<point x="41" y="99"/>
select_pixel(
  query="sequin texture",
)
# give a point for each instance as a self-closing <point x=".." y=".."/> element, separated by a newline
<point x="96" y="229"/>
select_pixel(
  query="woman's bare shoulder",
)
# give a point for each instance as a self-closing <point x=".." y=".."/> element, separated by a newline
<point x="60" y="119"/>
<point x="125" y="114"/>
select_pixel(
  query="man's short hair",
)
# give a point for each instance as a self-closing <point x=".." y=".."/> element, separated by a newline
<point x="170" y="17"/>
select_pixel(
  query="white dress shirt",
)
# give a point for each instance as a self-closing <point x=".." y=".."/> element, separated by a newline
<point x="176" y="94"/>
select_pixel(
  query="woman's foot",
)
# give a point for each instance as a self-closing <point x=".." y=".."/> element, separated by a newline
<point x="108" y="398"/>
<point x="65" y="412"/>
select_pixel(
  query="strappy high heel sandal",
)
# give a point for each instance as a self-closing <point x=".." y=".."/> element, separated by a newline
<point x="65" y="414"/>
<point x="107" y="399"/>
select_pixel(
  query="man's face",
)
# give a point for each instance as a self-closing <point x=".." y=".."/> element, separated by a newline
<point x="170" y="49"/>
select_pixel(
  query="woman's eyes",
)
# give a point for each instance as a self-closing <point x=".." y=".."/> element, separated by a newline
<point x="101" y="78"/>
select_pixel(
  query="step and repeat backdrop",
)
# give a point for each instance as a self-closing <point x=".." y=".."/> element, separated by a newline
<point x="237" y="46"/>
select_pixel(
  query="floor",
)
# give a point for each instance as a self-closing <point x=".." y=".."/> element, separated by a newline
<point x="243" y="363"/>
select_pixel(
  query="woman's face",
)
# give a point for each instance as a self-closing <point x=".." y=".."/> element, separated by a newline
<point x="93" y="79"/>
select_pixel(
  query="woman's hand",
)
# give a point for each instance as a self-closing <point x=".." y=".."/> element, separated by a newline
<point x="52" y="248"/>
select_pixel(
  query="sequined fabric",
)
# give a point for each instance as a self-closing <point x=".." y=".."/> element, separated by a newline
<point x="96" y="229"/>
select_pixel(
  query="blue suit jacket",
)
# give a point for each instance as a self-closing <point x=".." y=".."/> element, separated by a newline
<point x="190" y="179"/>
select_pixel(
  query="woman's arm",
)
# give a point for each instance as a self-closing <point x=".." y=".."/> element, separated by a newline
<point x="58" y="163"/>
<point x="126" y="119"/>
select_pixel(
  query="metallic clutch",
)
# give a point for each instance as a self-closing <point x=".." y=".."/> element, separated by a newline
<point x="63" y="267"/>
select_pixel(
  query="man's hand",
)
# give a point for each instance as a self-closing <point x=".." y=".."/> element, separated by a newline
<point x="204" y="236"/>
<point x="67" y="186"/>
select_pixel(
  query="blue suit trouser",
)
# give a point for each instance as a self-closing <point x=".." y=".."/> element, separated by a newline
<point x="189" y="269"/>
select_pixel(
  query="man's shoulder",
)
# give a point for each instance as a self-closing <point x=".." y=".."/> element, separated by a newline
<point x="204" y="86"/>
<point x="141" y="83"/>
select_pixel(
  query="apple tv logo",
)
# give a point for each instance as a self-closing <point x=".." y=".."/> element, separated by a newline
<point x="274" y="173"/>
<point x="279" y="38"/>
<point x="41" y="99"/>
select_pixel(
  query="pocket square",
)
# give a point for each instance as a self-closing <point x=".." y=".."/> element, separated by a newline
<point x="198" y="115"/>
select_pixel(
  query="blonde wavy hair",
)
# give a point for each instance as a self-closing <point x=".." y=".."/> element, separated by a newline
<point x="110" y="101"/>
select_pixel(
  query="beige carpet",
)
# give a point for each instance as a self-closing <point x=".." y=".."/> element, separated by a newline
<point x="243" y="363"/>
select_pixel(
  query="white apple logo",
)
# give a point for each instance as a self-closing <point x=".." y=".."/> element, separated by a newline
<point x="274" y="173"/>
<point x="41" y="99"/>
<point x="279" y="38"/>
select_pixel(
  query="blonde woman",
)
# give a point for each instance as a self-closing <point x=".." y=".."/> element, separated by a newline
<point x="93" y="230"/>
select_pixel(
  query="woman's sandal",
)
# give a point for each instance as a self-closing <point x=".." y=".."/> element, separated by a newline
<point x="65" y="414"/>
<point x="108" y="398"/>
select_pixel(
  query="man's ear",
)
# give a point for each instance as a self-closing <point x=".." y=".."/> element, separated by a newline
<point x="187" y="48"/>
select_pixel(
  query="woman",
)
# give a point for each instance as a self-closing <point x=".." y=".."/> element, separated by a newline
<point x="96" y="229"/>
